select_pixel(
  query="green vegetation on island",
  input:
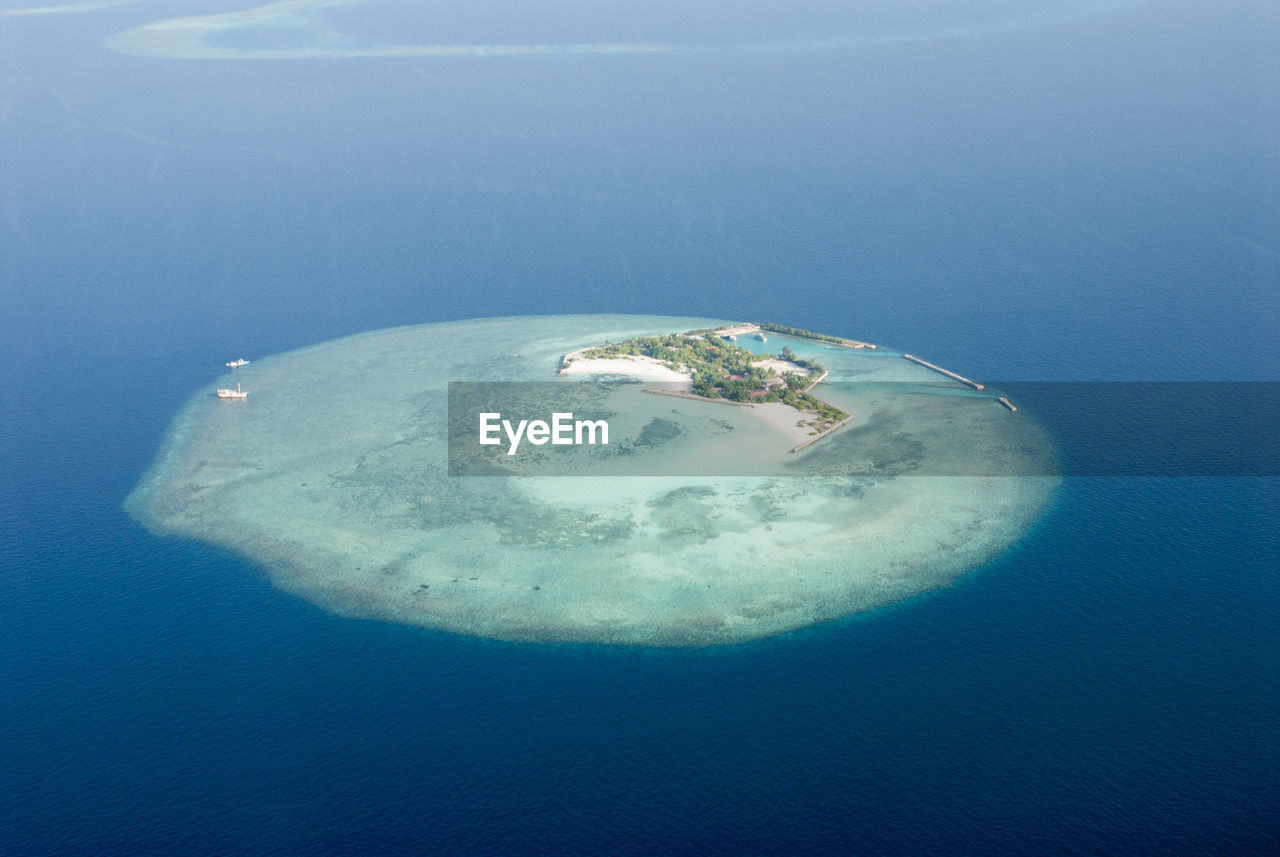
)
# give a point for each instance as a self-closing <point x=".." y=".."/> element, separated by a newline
<point x="721" y="370"/>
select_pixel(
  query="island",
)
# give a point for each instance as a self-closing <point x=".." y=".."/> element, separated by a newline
<point x="713" y="368"/>
<point x="695" y="526"/>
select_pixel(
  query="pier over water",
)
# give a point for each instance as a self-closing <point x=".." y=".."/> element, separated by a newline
<point x="963" y="380"/>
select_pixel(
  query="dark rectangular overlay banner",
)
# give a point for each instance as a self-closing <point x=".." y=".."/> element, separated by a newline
<point x="612" y="428"/>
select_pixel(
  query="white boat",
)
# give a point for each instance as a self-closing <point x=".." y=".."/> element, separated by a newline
<point x="731" y="338"/>
<point x="236" y="364"/>
<point x="237" y="393"/>
<point x="760" y="336"/>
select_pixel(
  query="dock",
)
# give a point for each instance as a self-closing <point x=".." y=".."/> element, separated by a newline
<point x="963" y="380"/>
<point x="1008" y="404"/>
<point x="815" y="382"/>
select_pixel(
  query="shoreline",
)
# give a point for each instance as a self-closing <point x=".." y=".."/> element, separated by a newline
<point x="631" y="365"/>
<point x="736" y="330"/>
<point x="794" y="424"/>
<point x="811" y="441"/>
<point x="777" y="415"/>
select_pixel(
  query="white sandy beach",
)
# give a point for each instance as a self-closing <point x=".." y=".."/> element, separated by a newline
<point x="737" y="330"/>
<point x="784" y="418"/>
<point x="631" y="365"/>
<point x="780" y="366"/>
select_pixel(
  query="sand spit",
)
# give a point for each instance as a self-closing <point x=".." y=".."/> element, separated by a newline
<point x="785" y="420"/>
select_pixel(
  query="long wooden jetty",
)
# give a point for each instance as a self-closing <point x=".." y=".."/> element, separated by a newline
<point x="963" y="380"/>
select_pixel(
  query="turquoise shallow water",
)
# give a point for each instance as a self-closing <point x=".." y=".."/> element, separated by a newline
<point x="354" y="500"/>
<point x="1089" y="202"/>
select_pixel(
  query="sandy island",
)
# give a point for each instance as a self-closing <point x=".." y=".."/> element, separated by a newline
<point x="794" y="425"/>
<point x="346" y="500"/>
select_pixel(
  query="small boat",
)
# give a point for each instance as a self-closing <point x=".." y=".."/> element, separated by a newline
<point x="237" y="393"/>
<point x="731" y="337"/>
<point x="760" y="336"/>
<point x="236" y="364"/>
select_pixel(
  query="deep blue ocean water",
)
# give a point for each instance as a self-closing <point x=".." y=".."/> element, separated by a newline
<point x="1093" y="201"/>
